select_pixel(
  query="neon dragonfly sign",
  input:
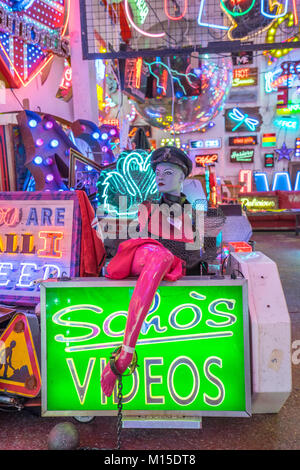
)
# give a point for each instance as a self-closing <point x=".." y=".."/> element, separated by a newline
<point x="207" y="328"/>
<point x="35" y="243"/>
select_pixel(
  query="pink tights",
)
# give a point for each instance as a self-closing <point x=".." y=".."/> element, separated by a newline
<point x="150" y="263"/>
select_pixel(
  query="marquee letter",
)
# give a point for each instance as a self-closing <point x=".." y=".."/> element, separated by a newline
<point x="51" y="244"/>
<point x="32" y="217"/>
<point x="212" y="378"/>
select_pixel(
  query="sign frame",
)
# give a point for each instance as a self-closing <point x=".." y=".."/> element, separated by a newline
<point x="186" y="281"/>
<point x="36" y="201"/>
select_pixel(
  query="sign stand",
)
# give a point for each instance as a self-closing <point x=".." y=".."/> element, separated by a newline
<point x="138" y="422"/>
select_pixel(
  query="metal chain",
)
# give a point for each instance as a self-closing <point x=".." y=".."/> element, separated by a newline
<point x="120" y="416"/>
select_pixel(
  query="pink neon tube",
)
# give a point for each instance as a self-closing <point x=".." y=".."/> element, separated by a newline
<point x="175" y="18"/>
<point x="150" y="35"/>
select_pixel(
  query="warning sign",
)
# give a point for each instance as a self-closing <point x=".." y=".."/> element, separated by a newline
<point x="19" y="364"/>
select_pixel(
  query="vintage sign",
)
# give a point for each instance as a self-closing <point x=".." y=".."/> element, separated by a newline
<point x="242" y="155"/>
<point x="259" y="203"/>
<point x="207" y="159"/>
<point x="242" y="57"/>
<point x="268" y="140"/>
<point x="245" y="76"/>
<point x="37" y="240"/>
<point x="240" y="141"/>
<point x="206" y="144"/>
<point x="193" y="349"/>
<point x="269" y="160"/>
<point x="30" y="33"/>
<point x="243" y="119"/>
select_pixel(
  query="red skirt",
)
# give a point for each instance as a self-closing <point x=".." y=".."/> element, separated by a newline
<point x="120" y="266"/>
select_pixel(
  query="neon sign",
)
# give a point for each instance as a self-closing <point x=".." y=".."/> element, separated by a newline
<point x="206" y="144"/>
<point x="133" y="178"/>
<point x="243" y="140"/>
<point x="30" y="38"/>
<point x="282" y="181"/>
<point x="289" y="124"/>
<point x="269" y="160"/>
<point x="237" y="119"/>
<point x="245" y="177"/>
<point x="284" y="152"/>
<point x="242" y="156"/>
<point x="261" y="182"/>
<point x="245" y="76"/>
<point x="35" y="242"/>
<point x="172" y="353"/>
<point x="259" y="203"/>
<point x="209" y="159"/>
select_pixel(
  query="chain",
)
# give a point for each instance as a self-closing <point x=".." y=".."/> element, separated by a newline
<point x="120" y="406"/>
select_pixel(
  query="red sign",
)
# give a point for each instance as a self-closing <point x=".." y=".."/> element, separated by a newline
<point x="34" y="31"/>
<point x="209" y="159"/>
<point x="243" y="140"/>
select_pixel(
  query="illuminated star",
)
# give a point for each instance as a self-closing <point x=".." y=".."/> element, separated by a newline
<point x="284" y="152"/>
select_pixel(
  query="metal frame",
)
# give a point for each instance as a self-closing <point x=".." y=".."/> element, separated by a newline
<point x="186" y="281"/>
<point x="215" y="47"/>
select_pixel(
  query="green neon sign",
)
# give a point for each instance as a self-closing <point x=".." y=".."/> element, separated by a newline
<point x="193" y="351"/>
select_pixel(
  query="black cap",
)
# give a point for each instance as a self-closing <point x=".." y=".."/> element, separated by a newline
<point x="172" y="155"/>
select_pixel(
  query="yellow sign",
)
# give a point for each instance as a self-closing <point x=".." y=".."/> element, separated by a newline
<point x="19" y="365"/>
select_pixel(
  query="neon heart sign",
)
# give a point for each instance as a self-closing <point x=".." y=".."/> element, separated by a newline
<point x="31" y="33"/>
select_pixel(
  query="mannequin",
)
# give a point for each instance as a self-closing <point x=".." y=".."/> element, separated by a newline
<point x="148" y="258"/>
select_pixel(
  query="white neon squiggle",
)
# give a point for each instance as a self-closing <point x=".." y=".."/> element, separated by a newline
<point x="150" y="35"/>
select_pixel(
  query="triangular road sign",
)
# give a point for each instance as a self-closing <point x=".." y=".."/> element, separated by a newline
<point x="19" y="358"/>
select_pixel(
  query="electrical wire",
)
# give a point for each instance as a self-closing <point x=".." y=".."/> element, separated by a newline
<point x="17" y="99"/>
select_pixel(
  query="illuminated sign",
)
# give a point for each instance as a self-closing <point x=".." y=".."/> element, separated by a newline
<point x="194" y="336"/>
<point x="35" y="243"/>
<point x="133" y="179"/>
<point x="171" y="141"/>
<point x="245" y="180"/>
<point x="243" y="140"/>
<point x="30" y="36"/>
<point x="291" y="67"/>
<point x="242" y="156"/>
<point x="259" y="203"/>
<point x="242" y="119"/>
<point x="288" y="124"/>
<point x="209" y="159"/>
<point x="246" y="76"/>
<point x="242" y="57"/>
<point x="269" y="160"/>
<point x="282" y="181"/>
<point x="284" y="152"/>
<point x="206" y="144"/>
<point x="261" y="182"/>
<point x="268" y="140"/>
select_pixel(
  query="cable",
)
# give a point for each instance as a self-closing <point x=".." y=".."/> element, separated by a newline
<point x="17" y="99"/>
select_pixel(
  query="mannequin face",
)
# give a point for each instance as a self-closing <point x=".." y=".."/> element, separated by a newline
<point x="169" y="178"/>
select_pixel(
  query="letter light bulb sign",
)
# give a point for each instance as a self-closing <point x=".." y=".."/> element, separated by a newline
<point x="193" y="348"/>
<point x="38" y="240"/>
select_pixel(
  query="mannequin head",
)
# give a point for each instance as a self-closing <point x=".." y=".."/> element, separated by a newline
<point x="169" y="178"/>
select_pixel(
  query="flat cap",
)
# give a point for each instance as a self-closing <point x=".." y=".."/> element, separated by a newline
<point x="172" y="155"/>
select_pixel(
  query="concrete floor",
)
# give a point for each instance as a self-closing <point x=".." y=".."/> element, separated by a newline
<point x="26" y="430"/>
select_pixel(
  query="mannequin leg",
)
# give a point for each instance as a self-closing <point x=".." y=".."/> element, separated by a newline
<point x="151" y="262"/>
